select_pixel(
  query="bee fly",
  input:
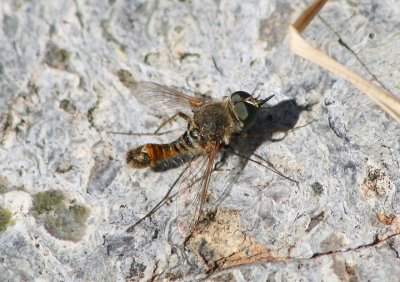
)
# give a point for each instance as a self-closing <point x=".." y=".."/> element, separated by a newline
<point x="211" y="125"/>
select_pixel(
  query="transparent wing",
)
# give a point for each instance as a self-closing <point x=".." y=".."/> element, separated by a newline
<point x="164" y="99"/>
<point x="193" y="190"/>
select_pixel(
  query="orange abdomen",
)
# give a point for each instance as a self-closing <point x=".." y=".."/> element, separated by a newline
<point x="160" y="157"/>
<point x="152" y="155"/>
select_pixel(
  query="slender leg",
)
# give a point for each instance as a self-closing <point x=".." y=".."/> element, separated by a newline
<point x="257" y="90"/>
<point x="156" y="132"/>
<point x="160" y="203"/>
<point x="173" y="118"/>
<point x="267" y="164"/>
<point x="223" y="158"/>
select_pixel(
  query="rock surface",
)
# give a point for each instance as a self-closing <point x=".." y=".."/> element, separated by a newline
<point x="71" y="196"/>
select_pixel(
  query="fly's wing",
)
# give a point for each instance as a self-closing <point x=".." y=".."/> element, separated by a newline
<point x="164" y="99"/>
<point x="193" y="190"/>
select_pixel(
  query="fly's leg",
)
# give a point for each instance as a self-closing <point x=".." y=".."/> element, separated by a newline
<point x="262" y="162"/>
<point x="257" y="90"/>
<point x="269" y="166"/>
<point x="173" y="118"/>
<point x="156" y="132"/>
<point x="224" y="156"/>
<point x="160" y="203"/>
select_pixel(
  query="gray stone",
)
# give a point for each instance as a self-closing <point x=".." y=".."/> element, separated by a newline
<point x="61" y="96"/>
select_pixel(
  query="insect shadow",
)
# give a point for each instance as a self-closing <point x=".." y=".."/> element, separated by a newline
<point x="280" y="118"/>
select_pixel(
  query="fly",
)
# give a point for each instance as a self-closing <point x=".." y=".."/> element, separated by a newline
<point x="211" y="125"/>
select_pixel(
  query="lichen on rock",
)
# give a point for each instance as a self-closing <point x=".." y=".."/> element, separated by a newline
<point x="5" y="219"/>
<point x="62" y="220"/>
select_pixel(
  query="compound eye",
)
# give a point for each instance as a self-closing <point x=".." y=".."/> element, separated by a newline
<point x="245" y="111"/>
<point x="241" y="111"/>
<point x="236" y="98"/>
<point x="239" y="96"/>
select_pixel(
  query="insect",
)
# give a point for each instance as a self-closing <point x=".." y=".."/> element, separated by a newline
<point x="211" y="125"/>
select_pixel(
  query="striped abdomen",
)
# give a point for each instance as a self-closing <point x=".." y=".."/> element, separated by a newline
<point x="160" y="157"/>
